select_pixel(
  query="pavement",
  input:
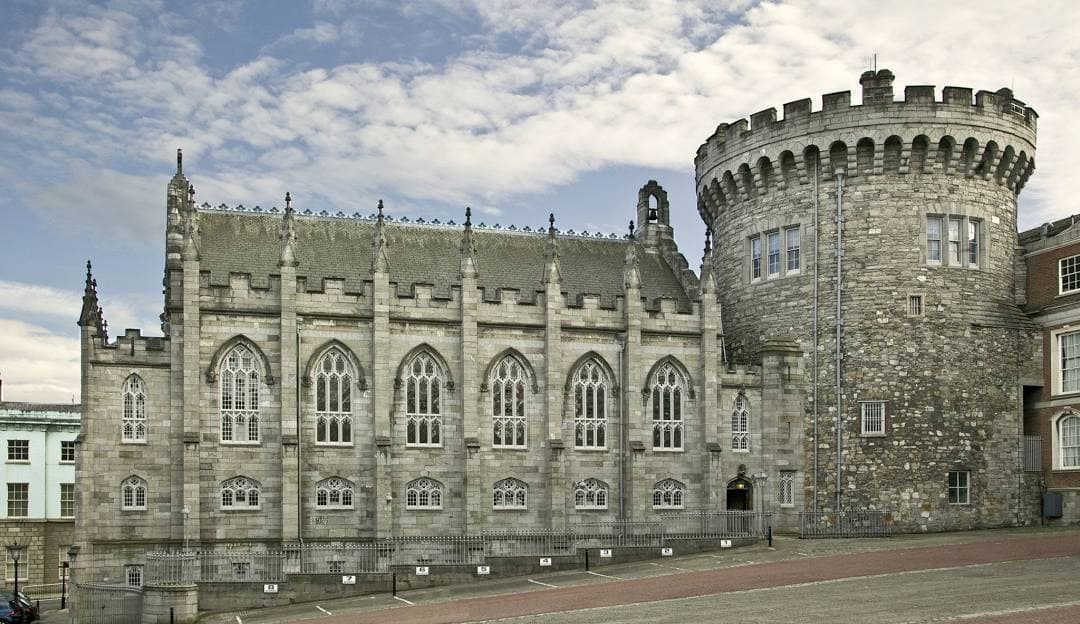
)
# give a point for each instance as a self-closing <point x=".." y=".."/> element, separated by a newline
<point x="1020" y="576"/>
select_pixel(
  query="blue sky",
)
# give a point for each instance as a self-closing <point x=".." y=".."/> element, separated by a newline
<point x="515" y="108"/>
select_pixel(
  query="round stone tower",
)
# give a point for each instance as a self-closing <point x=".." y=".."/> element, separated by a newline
<point x="930" y="344"/>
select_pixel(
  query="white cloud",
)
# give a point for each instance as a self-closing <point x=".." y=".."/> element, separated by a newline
<point x="38" y="365"/>
<point x="36" y="301"/>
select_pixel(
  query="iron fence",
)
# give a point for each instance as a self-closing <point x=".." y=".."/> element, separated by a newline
<point x="619" y="534"/>
<point x="715" y="524"/>
<point x="339" y="558"/>
<point x="861" y="523"/>
<point x="108" y="604"/>
<point x="429" y="551"/>
<point x="1032" y="453"/>
<point x="524" y="543"/>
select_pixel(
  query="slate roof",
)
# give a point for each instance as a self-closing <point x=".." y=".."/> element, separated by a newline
<point x="243" y="242"/>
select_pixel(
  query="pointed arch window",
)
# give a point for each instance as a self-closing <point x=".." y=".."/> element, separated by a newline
<point x="333" y="400"/>
<point x="133" y="494"/>
<point x="668" y="494"/>
<point x="508" y="405"/>
<point x="667" y="416"/>
<point x="334" y="493"/>
<point x="590" y="406"/>
<point x="240" y="397"/>
<point x="740" y="425"/>
<point x="133" y="428"/>
<point x="240" y="493"/>
<point x="510" y="494"/>
<point x="423" y="408"/>
<point x="423" y="493"/>
<point x="591" y="494"/>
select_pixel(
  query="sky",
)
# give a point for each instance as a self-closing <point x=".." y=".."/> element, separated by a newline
<point x="516" y="109"/>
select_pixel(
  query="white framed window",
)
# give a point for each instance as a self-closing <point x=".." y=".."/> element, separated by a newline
<point x="18" y="500"/>
<point x="67" y="452"/>
<point x="423" y="408"/>
<point x="773" y="239"/>
<point x="1066" y="429"/>
<point x="955" y="224"/>
<point x="755" y="258"/>
<point x="18" y="451"/>
<point x="740" y="425"/>
<point x="61" y="559"/>
<point x="915" y="305"/>
<point x="959" y="487"/>
<point x="240" y="378"/>
<point x="873" y="417"/>
<point x="510" y="494"/>
<point x="591" y="494"/>
<point x="1065" y="359"/>
<point x="974" y="241"/>
<point x="793" y="240"/>
<point x="590" y="406"/>
<point x="333" y="400"/>
<point x="933" y="240"/>
<point x="133" y="494"/>
<point x="334" y="493"/>
<point x="785" y="489"/>
<point x="240" y="493"/>
<point x="668" y="494"/>
<point x="1068" y="275"/>
<point x="508" y="423"/>
<point x="424" y="493"/>
<point x="134" y="575"/>
<point x="133" y="428"/>
<point x="67" y="500"/>
<point x="667" y="417"/>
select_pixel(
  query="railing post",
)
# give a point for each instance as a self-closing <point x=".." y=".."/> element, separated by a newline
<point x="770" y="535"/>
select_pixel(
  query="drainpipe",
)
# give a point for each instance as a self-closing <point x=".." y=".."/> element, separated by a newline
<point x="299" y="451"/>
<point x="839" y="173"/>
<point x="622" y="429"/>
<point x="817" y="443"/>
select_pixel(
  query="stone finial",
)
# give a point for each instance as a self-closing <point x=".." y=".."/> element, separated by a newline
<point x="552" y="272"/>
<point x="468" y="217"/>
<point x="191" y="230"/>
<point x="379" y="261"/>
<point x="288" y="235"/>
<point x="288" y="201"/>
<point x="707" y="283"/>
<point x="708" y="242"/>
<point x="380" y="210"/>
<point x="631" y="235"/>
<point x="179" y="161"/>
<point x="90" y="315"/>
<point x="468" y="248"/>
<point x="632" y="267"/>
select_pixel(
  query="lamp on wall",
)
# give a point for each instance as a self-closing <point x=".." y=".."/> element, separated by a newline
<point x="15" y="551"/>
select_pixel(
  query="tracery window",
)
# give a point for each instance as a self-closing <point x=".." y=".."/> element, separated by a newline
<point x="240" y="397"/>
<point x="334" y="493"/>
<point x="240" y="493"/>
<point x="333" y="399"/>
<point x="740" y="425"/>
<point x="510" y="494"/>
<point x="134" y="420"/>
<point x="785" y="494"/>
<point x="668" y="494"/>
<point x="508" y="405"/>
<point x="667" y="396"/>
<point x="423" y="493"/>
<point x="133" y="494"/>
<point x="590" y="406"/>
<point x="423" y="421"/>
<point x="591" y="494"/>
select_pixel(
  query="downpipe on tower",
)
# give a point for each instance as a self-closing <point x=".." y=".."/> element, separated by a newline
<point x="839" y="173"/>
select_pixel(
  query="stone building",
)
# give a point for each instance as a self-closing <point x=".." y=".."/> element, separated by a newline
<point x="38" y="488"/>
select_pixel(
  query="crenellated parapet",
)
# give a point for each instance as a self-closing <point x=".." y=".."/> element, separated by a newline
<point x="988" y="135"/>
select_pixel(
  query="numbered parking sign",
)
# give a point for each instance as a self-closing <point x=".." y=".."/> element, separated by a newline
<point x="605" y="552"/>
<point x="483" y="570"/>
<point x="545" y="562"/>
<point x="348" y="579"/>
<point x="270" y="588"/>
<point x="666" y="552"/>
<point x="725" y="543"/>
<point x="421" y="570"/>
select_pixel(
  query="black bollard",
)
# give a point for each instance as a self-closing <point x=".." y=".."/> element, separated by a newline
<point x="393" y="581"/>
<point x="770" y="535"/>
<point x="172" y="617"/>
<point x="586" y="559"/>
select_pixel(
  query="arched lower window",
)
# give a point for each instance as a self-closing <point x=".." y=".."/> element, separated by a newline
<point x="508" y="404"/>
<point x="240" y="396"/>
<point x="334" y="493"/>
<point x="240" y="493"/>
<point x="667" y="396"/>
<point x="333" y="399"/>
<point x="668" y="494"/>
<point x="740" y="425"/>
<point x="1068" y="436"/>
<point x="423" y="420"/>
<point x="510" y="494"/>
<point x="591" y="494"/>
<point x="423" y="494"/>
<point x="133" y="494"/>
<point x="134" y="422"/>
<point x="590" y="406"/>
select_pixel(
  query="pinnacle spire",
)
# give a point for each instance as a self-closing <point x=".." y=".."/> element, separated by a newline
<point x="379" y="262"/>
<point x="631" y="236"/>
<point x="468" y="248"/>
<point x="707" y="285"/>
<point x="632" y="267"/>
<point x="288" y="235"/>
<point x="179" y="162"/>
<point x="552" y="272"/>
<point x="91" y="315"/>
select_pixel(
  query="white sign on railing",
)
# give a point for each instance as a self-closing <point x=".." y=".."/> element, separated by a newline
<point x="666" y="552"/>
<point x="605" y="552"/>
<point x="421" y="570"/>
<point x="725" y="543"/>
<point x="348" y="579"/>
<point x="270" y="588"/>
<point x="483" y="570"/>
<point x="545" y="562"/>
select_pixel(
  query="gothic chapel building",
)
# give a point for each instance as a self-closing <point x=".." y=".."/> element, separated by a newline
<point x="346" y="378"/>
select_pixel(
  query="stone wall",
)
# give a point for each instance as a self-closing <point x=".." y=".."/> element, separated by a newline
<point x="41" y="560"/>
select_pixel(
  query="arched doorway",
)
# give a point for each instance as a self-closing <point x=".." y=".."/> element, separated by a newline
<point x="740" y="495"/>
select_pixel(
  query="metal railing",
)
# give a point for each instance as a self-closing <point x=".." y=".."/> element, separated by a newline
<point x="619" y="534"/>
<point x="1032" y="454"/>
<point x="715" y="525"/>
<point x="108" y="604"/>
<point x="429" y="551"/>
<point x="525" y="543"/>
<point x="861" y="523"/>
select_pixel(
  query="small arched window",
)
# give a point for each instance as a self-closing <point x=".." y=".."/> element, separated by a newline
<point x="133" y="429"/>
<point x="333" y="399"/>
<point x="508" y="404"/>
<point x="133" y="494"/>
<point x="334" y="493"/>
<point x="590" y="406"/>
<point x="423" y="493"/>
<point x="423" y="409"/>
<point x="240" y="396"/>
<point x="591" y="494"/>
<point x="1068" y="436"/>
<point x="240" y="493"/>
<point x="667" y="397"/>
<point x="740" y="425"/>
<point x="510" y="494"/>
<point x="668" y="494"/>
